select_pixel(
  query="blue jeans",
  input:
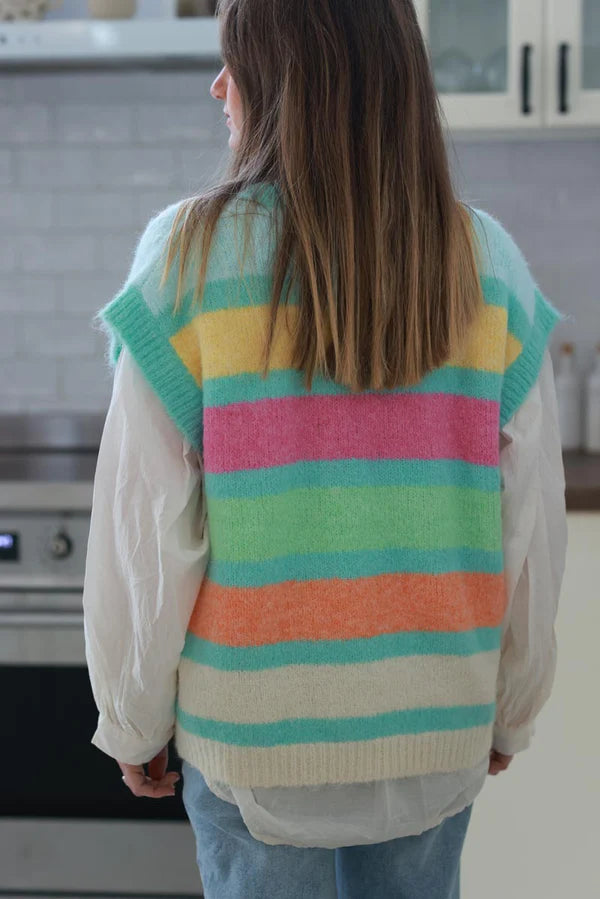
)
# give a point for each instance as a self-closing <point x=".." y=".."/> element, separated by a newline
<point x="234" y="865"/>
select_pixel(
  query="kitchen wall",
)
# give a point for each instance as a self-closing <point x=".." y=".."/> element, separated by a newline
<point x="86" y="157"/>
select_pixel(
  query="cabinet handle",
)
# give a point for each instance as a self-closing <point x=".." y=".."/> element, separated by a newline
<point x="563" y="77"/>
<point x="526" y="79"/>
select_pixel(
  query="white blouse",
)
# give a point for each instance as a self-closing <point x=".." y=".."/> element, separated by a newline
<point x="148" y="550"/>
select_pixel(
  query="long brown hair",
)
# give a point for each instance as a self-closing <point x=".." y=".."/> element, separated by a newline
<point x="342" y="115"/>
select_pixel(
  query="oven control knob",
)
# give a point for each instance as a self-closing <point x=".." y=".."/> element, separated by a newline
<point x="60" y="545"/>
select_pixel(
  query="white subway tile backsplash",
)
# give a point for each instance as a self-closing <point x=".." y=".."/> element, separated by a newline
<point x="68" y="87"/>
<point x="56" y="167"/>
<point x="578" y="203"/>
<point x="135" y="167"/>
<point x="79" y="123"/>
<point x="24" y="124"/>
<point x="27" y="293"/>
<point x="519" y="203"/>
<point x="116" y="253"/>
<point x="541" y="244"/>
<point x="172" y="122"/>
<point x="199" y="166"/>
<point x="23" y="210"/>
<point x="88" y="157"/>
<point x="59" y="405"/>
<point x="549" y="163"/>
<point x="8" y="253"/>
<point x="7" y="90"/>
<point x="59" y="336"/>
<point x="54" y="252"/>
<point x="149" y="203"/>
<point x="479" y="162"/>
<point x="87" y="293"/>
<point x="95" y="210"/>
<point x="103" y="87"/>
<point x="6" y="167"/>
<point x="32" y="378"/>
<point x="85" y="382"/>
<point x="8" y="337"/>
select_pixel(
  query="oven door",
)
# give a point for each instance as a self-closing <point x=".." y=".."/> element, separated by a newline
<point x="67" y="821"/>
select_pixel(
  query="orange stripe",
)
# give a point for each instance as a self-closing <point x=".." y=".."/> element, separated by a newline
<point x="340" y="609"/>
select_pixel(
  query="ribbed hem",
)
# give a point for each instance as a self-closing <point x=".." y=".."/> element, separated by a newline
<point x="317" y="763"/>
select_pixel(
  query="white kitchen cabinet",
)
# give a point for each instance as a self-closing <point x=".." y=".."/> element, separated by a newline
<point x="486" y="57"/>
<point x="514" y="64"/>
<point x="572" y="62"/>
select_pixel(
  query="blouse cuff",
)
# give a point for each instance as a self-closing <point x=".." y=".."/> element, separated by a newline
<point x="509" y="740"/>
<point x="125" y="746"/>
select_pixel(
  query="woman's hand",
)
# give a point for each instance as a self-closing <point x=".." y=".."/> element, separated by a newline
<point x="157" y="784"/>
<point x="498" y="761"/>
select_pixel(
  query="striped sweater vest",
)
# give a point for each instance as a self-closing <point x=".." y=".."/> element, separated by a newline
<point x="349" y="624"/>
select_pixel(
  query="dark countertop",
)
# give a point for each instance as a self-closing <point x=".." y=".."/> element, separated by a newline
<point x="582" y="478"/>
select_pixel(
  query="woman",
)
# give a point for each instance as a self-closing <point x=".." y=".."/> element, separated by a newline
<point x="321" y="532"/>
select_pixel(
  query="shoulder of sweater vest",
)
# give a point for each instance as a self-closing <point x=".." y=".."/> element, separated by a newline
<point x="504" y="261"/>
<point x="226" y="245"/>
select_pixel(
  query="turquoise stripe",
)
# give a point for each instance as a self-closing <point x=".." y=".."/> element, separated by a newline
<point x="340" y="652"/>
<point x="352" y="473"/>
<point x="357" y="564"/>
<point x="254" y="289"/>
<point x="339" y="730"/>
<point x="249" y="386"/>
<point x="522" y="374"/>
<point x="235" y="293"/>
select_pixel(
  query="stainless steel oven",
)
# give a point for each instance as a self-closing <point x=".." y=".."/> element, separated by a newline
<point x="68" y="824"/>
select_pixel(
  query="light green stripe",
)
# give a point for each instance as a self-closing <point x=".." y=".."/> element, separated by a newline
<point x="340" y="652"/>
<point x="335" y="519"/>
<point x="352" y="473"/>
<point x="339" y="730"/>
<point x="353" y="565"/>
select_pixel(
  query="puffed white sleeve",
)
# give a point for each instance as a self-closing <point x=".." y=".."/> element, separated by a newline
<point x="534" y="540"/>
<point x="147" y="552"/>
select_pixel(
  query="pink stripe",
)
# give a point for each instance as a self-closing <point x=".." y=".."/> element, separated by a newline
<point x="272" y="432"/>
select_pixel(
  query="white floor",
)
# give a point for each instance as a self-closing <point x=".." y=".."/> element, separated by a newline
<point x="535" y="828"/>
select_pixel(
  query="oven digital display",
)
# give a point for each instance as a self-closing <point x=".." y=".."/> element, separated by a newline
<point x="9" y="547"/>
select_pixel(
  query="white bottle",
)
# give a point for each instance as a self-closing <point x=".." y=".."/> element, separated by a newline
<point x="591" y="439"/>
<point x="568" y="397"/>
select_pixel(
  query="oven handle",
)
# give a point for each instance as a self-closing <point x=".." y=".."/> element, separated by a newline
<point x="41" y="619"/>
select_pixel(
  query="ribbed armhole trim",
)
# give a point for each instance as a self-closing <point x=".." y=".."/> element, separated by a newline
<point x="128" y="320"/>
<point x="522" y="374"/>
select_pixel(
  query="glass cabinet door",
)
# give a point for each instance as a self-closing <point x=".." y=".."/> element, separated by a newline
<point x="573" y="62"/>
<point x="486" y="60"/>
<point x="469" y="45"/>
<point x="590" y="56"/>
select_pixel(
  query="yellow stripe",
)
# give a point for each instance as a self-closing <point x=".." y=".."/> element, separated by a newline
<point x="513" y="349"/>
<point x="230" y="342"/>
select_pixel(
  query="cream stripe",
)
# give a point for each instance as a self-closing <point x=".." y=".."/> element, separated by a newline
<point x="313" y="691"/>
